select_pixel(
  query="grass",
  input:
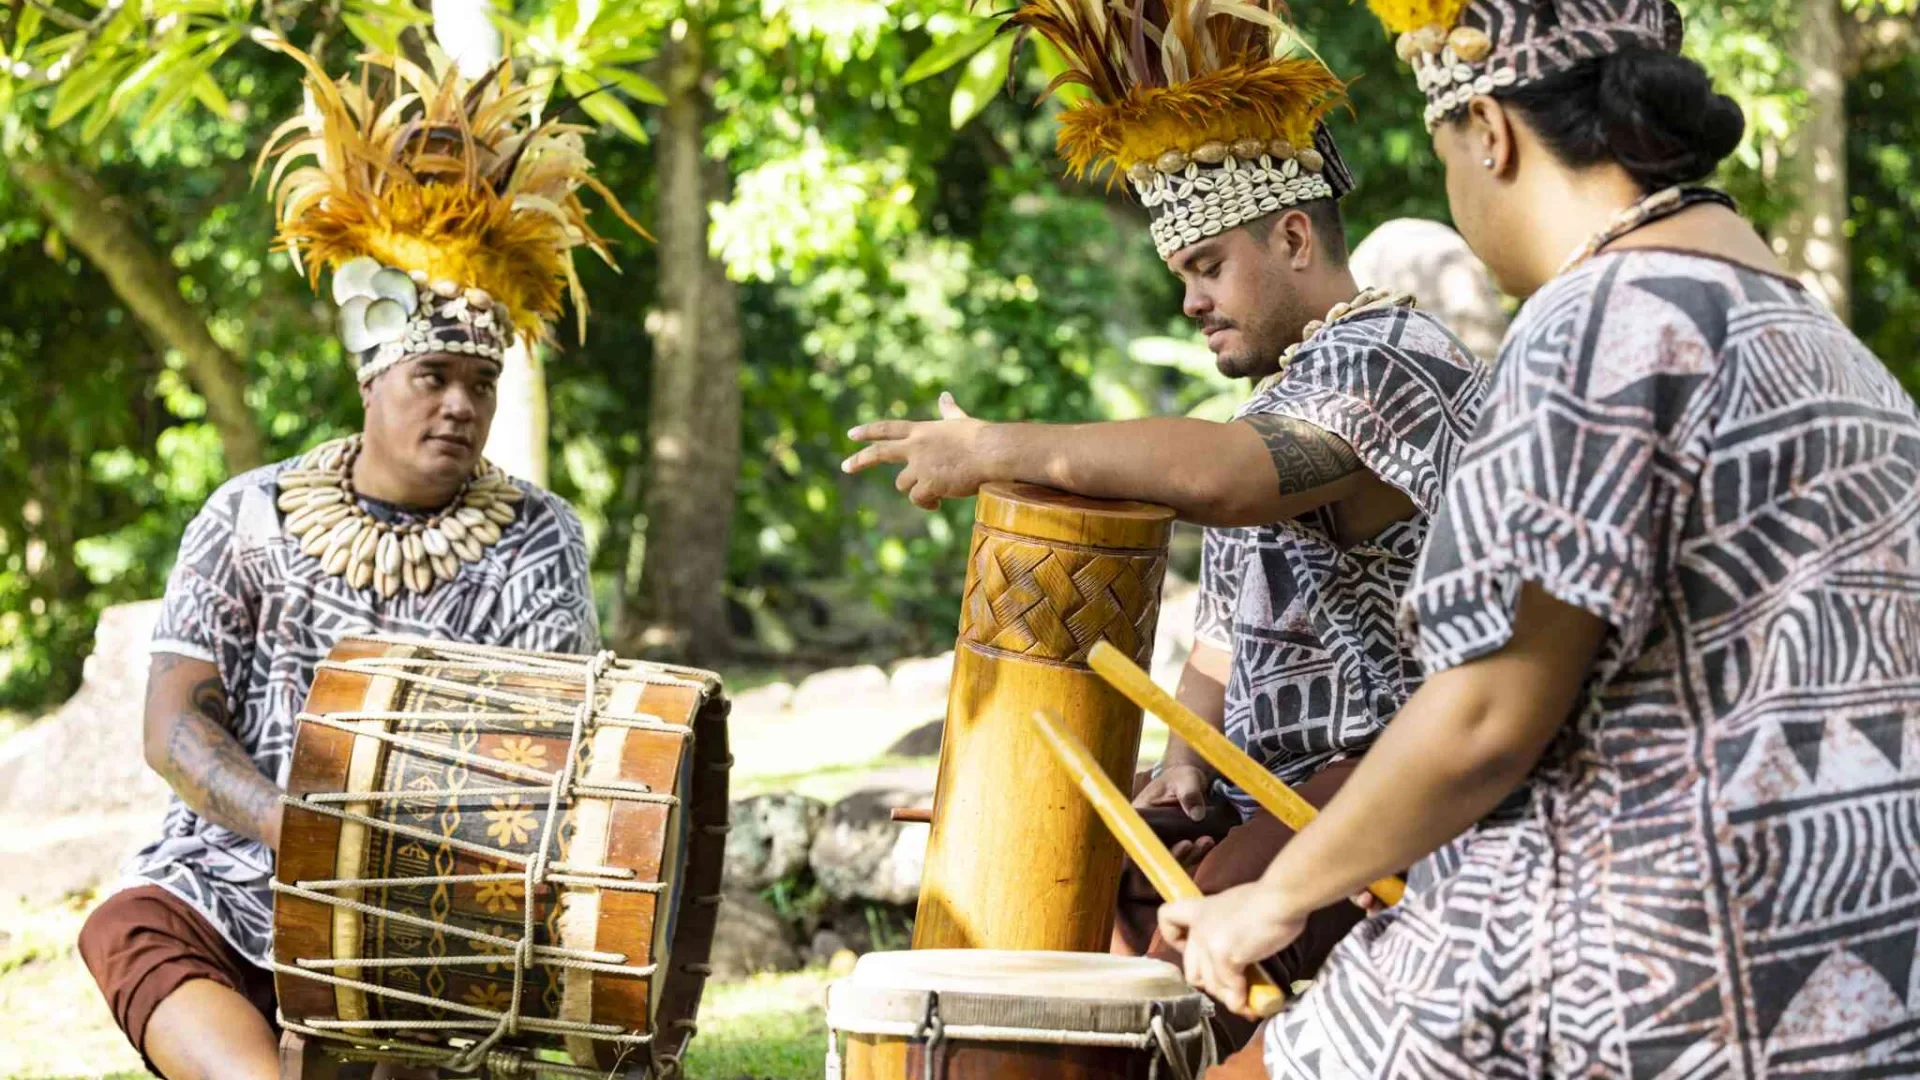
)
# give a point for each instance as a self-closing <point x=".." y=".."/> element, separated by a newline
<point x="769" y="1027"/>
<point x="53" y="1023"/>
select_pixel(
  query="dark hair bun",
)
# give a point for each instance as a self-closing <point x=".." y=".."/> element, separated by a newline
<point x="1662" y="120"/>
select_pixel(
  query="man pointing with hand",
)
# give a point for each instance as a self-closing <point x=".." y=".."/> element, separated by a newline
<point x="1316" y="499"/>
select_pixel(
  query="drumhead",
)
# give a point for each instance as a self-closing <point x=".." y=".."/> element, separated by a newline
<point x="1078" y="976"/>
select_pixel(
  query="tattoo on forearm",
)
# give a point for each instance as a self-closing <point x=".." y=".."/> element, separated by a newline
<point x="1305" y="456"/>
<point x="210" y="770"/>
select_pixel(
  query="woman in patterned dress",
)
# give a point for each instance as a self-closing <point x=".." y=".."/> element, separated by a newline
<point x="1662" y="782"/>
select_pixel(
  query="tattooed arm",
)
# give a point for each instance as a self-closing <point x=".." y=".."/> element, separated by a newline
<point x="190" y="743"/>
<point x="1248" y="472"/>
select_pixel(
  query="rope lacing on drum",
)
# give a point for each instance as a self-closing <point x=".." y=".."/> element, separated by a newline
<point x="1169" y="1049"/>
<point x="933" y="1033"/>
<point x="536" y="871"/>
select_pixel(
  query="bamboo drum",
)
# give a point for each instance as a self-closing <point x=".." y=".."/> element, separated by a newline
<point x="1016" y="858"/>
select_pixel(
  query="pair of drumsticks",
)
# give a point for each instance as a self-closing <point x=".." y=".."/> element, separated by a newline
<point x="1137" y="837"/>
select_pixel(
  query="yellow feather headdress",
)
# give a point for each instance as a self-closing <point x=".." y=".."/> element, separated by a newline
<point x="1186" y="91"/>
<point x="421" y="182"/>
<point x="1406" y="16"/>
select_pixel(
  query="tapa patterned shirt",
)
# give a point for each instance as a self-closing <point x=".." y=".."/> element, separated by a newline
<point x="1715" y="870"/>
<point x="243" y="597"/>
<point x="1317" y="663"/>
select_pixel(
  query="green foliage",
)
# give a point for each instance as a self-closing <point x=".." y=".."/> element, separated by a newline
<point x="896" y="220"/>
<point x="1883" y="162"/>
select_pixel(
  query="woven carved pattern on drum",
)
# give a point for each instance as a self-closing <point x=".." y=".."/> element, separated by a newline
<point x="1052" y="602"/>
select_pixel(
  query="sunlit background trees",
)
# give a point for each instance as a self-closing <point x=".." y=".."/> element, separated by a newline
<point x="856" y="207"/>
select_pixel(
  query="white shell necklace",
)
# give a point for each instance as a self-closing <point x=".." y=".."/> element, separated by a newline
<point x="1369" y="300"/>
<point x="328" y="522"/>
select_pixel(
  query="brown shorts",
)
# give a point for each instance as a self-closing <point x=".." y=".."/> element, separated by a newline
<point x="1240" y="855"/>
<point x="143" y="944"/>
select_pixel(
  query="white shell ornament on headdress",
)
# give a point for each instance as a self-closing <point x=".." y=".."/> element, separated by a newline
<point x="375" y="303"/>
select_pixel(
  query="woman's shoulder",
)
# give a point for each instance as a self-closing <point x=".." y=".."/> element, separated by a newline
<point x="1660" y="283"/>
<point x="1628" y="316"/>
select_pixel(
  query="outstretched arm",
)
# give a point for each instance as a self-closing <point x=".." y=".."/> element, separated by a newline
<point x="190" y="743"/>
<point x="1248" y="472"/>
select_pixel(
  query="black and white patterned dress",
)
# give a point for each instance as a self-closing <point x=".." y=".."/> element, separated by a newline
<point x="1715" y="870"/>
<point x="1317" y="665"/>
<point x="243" y="597"/>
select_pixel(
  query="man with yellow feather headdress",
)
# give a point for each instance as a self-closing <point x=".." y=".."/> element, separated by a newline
<point x="1317" y="495"/>
<point x="443" y="216"/>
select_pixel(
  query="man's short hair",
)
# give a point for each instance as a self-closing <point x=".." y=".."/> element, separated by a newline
<point x="1329" y="227"/>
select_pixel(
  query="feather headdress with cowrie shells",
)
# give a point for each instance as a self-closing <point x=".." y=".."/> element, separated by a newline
<point x="1460" y="49"/>
<point x="446" y="211"/>
<point x="1199" y="103"/>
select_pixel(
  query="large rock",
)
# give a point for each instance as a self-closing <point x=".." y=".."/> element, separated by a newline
<point x="771" y="838"/>
<point x="87" y="758"/>
<point x="760" y="702"/>
<point x="923" y="741"/>
<point x="922" y="684"/>
<point x="76" y="796"/>
<point x="1433" y="263"/>
<point x="750" y="937"/>
<point x="860" y="853"/>
<point x="839" y="688"/>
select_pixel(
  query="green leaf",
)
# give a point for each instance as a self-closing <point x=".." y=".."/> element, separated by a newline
<point x="624" y="54"/>
<point x="566" y="17"/>
<point x="140" y="77"/>
<point x="24" y="29"/>
<point x="97" y="121"/>
<point x="947" y="53"/>
<point x="589" y="14"/>
<point x="603" y="106"/>
<point x="180" y="81"/>
<point x="78" y="89"/>
<point x="209" y="94"/>
<point x="379" y="36"/>
<point x="635" y="86"/>
<point x="985" y="74"/>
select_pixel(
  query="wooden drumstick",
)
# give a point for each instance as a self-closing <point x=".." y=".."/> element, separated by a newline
<point x="1264" y="997"/>
<point x="1247" y="774"/>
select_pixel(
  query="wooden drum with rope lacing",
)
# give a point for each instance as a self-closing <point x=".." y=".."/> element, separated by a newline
<point x="500" y="860"/>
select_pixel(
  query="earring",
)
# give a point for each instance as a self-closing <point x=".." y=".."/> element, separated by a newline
<point x="1488" y="162"/>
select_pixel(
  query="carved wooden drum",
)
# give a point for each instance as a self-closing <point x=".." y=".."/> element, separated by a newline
<point x="1017" y="858"/>
<point x="979" y="1014"/>
<point x="488" y="854"/>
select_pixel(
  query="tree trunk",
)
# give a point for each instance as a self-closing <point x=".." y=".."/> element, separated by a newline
<point x="1813" y="239"/>
<point x="694" y="438"/>
<point x="518" y="439"/>
<point x="518" y="442"/>
<point x="146" y="282"/>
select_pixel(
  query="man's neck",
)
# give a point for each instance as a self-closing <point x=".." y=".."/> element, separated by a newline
<point x="1330" y="288"/>
<point x="373" y="479"/>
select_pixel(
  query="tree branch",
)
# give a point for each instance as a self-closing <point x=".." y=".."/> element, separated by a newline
<point x="89" y="33"/>
<point x="146" y="282"/>
<point x="70" y="21"/>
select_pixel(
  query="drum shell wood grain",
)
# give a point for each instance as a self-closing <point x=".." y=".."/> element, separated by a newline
<point x="1017" y="859"/>
<point x="681" y="845"/>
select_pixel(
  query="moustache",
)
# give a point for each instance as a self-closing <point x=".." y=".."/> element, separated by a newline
<point x="1209" y="326"/>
